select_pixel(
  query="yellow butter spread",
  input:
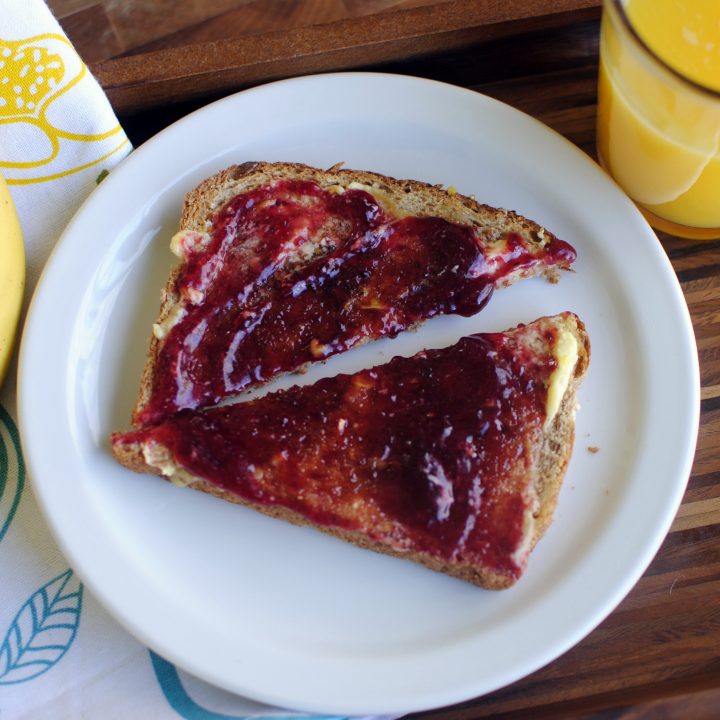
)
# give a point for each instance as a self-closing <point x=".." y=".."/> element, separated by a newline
<point x="160" y="458"/>
<point x="162" y="328"/>
<point x="566" y="356"/>
<point x="382" y="197"/>
<point x="185" y="241"/>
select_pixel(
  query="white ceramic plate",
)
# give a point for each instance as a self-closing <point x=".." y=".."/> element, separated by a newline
<point x="287" y="615"/>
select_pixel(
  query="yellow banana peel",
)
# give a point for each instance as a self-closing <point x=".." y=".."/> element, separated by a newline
<point x="12" y="276"/>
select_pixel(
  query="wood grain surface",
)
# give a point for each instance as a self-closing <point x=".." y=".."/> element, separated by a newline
<point x="254" y="42"/>
<point x="103" y="29"/>
<point x="658" y="654"/>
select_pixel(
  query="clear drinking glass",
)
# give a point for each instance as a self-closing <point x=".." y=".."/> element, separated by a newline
<point x="658" y="130"/>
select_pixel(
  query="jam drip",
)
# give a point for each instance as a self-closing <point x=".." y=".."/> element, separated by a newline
<point x="294" y="273"/>
<point x="427" y="454"/>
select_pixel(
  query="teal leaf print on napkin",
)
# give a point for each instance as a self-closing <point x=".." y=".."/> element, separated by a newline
<point x="42" y="631"/>
<point x="12" y="470"/>
<point x="181" y="702"/>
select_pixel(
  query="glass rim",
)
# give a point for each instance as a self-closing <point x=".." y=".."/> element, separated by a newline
<point x="618" y="5"/>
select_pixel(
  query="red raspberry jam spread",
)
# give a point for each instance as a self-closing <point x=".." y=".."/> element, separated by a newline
<point x="432" y="454"/>
<point x="294" y="273"/>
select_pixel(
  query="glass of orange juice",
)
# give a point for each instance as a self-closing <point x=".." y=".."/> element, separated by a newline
<point x="659" y="110"/>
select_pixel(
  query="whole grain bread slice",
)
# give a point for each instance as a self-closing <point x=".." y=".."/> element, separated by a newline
<point x="398" y="197"/>
<point x="141" y="452"/>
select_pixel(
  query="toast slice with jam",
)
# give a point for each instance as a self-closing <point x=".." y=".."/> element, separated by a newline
<point x="453" y="458"/>
<point x="282" y="264"/>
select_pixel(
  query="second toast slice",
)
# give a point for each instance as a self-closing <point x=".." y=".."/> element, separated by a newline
<point x="453" y="458"/>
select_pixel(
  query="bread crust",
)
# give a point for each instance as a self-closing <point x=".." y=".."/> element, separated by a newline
<point x="559" y="438"/>
<point x="409" y="196"/>
<point x="555" y="452"/>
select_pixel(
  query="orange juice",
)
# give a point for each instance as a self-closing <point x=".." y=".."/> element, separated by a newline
<point x="659" y="109"/>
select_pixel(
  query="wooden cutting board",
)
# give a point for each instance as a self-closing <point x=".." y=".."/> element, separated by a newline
<point x="149" y="53"/>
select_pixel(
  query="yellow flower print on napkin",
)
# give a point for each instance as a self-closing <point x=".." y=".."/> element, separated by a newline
<point x="36" y="75"/>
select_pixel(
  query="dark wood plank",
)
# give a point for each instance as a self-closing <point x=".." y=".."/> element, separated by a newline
<point x="701" y="705"/>
<point x="140" y="26"/>
<point x="63" y="8"/>
<point x="252" y="19"/>
<point x="212" y="68"/>
<point x="141" y="21"/>
<point x="92" y="33"/>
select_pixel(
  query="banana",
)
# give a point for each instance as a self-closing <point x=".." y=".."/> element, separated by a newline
<point x="12" y="275"/>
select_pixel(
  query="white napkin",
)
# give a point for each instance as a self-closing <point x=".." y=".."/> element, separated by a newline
<point x="61" y="656"/>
